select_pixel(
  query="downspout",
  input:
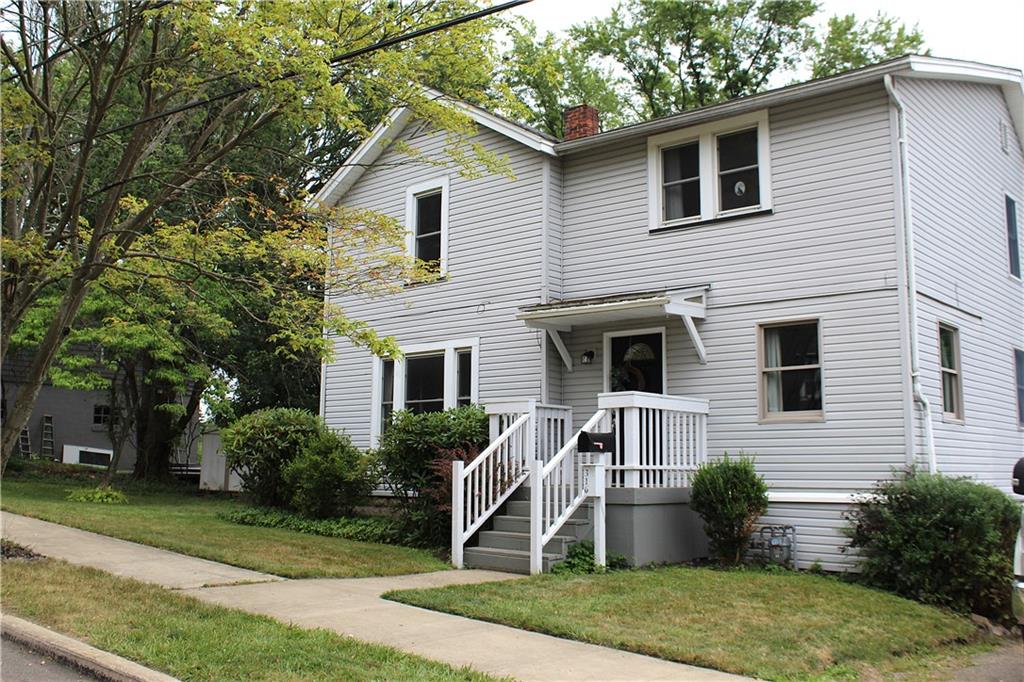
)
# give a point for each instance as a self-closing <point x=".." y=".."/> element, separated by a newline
<point x="911" y="284"/>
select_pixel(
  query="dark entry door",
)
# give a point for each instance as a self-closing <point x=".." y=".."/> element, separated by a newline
<point x="637" y="363"/>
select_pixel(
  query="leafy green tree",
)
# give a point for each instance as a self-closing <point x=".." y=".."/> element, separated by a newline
<point x="122" y="119"/>
<point x="851" y="44"/>
<point x="652" y="58"/>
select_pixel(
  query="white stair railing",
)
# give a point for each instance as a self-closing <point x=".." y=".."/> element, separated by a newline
<point x="480" y="487"/>
<point x="559" y="487"/>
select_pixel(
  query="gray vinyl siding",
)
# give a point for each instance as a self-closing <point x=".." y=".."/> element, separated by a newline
<point x="819" y="533"/>
<point x="494" y="261"/>
<point x="959" y="179"/>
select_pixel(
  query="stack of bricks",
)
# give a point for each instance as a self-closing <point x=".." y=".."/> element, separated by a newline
<point x="581" y="121"/>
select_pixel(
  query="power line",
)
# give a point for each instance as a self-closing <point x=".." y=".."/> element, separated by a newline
<point x="338" y="59"/>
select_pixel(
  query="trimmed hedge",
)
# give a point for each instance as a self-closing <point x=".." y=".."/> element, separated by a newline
<point x="939" y="540"/>
<point x="729" y="495"/>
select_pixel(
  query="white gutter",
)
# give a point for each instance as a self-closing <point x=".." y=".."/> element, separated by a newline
<point x="908" y="248"/>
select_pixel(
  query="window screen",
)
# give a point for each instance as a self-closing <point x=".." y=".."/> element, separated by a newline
<point x="428" y="227"/>
<point x="737" y="170"/>
<point x="424" y="383"/>
<point x="681" y="181"/>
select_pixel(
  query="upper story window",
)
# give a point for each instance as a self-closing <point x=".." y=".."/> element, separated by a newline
<point x="709" y="171"/>
<point x="1012" y="237"/>
<point x="426" y="222"/>
<point x="790" y="371"/>
<point x="949" y="359"/>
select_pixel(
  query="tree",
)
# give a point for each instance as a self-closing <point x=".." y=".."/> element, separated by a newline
<point x="850" y="44"/>
<point x="652" y="58"/>
<point x="118" y="116"/>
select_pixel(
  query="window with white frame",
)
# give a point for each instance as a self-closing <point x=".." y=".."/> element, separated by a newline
<point x="709" y="171"/>
<point x="790" y="371"/>
<point x="428" y="378"/>
<point x="426" y="215"/>
<point x="949" y="361"/>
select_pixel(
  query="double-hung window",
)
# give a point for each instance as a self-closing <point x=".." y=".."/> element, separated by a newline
<point x="1018" y="359"/>
<point x="709" y="171"/>
<point x="426" y="222"/>
<point x="952" y="384"/>
<point x="428" y="378"/>
<point x="790" y="371"/>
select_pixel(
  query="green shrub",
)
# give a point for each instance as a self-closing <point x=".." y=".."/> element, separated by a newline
<point x="364" y="529"/>
<point x="414" y="453"/>
<point x="730" y="496"/>
<point x="259" y="445"/>
<point x="328" y="478"/>
<point x="939" y="540"/>
<point x="100" y="495"/>
<point x="579" y="560"/>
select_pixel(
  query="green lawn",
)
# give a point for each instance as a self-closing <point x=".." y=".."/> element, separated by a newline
<point x="191" y="640"/>
<point x="184" y="521"/>
<point x="771" y="625"/>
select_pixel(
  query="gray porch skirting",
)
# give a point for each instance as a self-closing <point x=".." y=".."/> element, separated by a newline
<point x="654" y="525"/>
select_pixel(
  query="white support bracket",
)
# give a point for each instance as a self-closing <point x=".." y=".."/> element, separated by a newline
<point x="560" y="346"/>
<point x="687" y="310"/>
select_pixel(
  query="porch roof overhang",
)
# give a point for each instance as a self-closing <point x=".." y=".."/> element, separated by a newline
<point x="562" y="316"/>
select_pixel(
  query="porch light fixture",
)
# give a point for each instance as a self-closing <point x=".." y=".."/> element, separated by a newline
<point x="587" y="358"/>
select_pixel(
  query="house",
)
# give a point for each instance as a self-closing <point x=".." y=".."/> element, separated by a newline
<point x="73" y="425"/>
<point x="825" y="276"/>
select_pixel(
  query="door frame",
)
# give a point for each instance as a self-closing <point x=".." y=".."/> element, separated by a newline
<point x="606" y="361"/>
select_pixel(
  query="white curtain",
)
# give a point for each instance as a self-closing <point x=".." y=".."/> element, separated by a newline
<point x="773" y="380"/>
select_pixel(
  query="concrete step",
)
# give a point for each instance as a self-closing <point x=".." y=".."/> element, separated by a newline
<point x="576" y="528"/>
<point x="522" y="508"/>
<point x="509" y="560"/>
<point x="500" y="539"/>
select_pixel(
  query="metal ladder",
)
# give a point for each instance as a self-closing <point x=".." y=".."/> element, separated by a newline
<point x="46" y="445"/>
<point x="25" y="443"/>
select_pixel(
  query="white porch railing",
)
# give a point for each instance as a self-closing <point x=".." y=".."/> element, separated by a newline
<point x="520" y="433"/>
<point x="559" y="487"/>
<point x="662" y="438"/>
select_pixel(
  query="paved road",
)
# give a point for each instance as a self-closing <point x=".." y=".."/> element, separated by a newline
<point x="19" y="664"/>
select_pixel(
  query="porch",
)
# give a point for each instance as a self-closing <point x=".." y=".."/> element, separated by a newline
<point x="632" y="498"/>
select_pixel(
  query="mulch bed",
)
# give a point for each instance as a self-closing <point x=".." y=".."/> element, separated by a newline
<point x="12" y="550"/>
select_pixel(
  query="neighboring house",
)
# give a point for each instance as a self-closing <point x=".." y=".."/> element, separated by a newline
<point x="776" y="275"/>
<point x="72" y="426"/>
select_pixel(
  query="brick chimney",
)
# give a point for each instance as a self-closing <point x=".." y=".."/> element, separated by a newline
<point x="581" y="121"/>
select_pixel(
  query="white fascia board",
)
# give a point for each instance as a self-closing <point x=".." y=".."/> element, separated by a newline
<point x="364" y="155"/>
<point x="585" y="309"/>
<point x="499" y="125"/>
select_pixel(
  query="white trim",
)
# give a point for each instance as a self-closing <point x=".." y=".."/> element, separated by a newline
<point x="606" y="360"/>
<point x="782" y="497"/>
<point x="560" y="347"/>
<point x="70" y="454"/>
<point x="707" y="135"/>
<point x="411" y="193"/>
<point x="449" y="349"/>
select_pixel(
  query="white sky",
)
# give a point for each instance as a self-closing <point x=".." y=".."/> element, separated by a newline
<point x="987" y="31"/>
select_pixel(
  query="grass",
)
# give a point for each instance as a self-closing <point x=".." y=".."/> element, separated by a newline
<point x="186" y="521"/>
<point x="191" y="640"/>
<point x="771" y="625"/>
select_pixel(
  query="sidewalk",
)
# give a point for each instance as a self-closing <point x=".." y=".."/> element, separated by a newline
<point x="353" y="607"/>
<point x="126" y="559"/>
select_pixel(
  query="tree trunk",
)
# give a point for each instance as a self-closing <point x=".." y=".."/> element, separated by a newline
<point x="40" y="367"/>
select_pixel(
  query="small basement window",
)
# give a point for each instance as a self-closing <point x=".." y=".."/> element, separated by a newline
<point x="949" y="359"/>
<point x="791" y="383"/>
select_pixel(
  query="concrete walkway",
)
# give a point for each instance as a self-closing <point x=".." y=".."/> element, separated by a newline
<point x="123" y="558"/>
<point x="353" y="607"/>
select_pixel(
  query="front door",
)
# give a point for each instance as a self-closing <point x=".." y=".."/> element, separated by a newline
<point x="636" y="361"/>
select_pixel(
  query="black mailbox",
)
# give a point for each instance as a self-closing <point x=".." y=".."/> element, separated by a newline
<point x="1018" y="476"/>
<point x="596" y="442"/>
